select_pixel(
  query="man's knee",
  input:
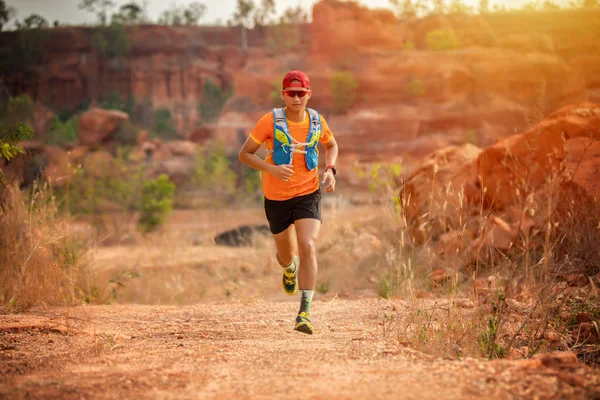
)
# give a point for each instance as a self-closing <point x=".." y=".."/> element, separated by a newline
<point x="307" y="246"/>
<point x="285" y="258"/>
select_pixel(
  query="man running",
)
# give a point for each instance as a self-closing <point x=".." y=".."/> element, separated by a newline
<point x="291" y="184"/>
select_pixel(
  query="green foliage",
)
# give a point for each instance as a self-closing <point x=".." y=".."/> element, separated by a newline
<point x="275" y="95"/>
<point x="415" y="87"/>
<point x="6" y="13"/>
<point x="384" y="287"/>
<point x="102" y="183"/>
<point x="34" y="21"/>
<point x="379" y="176"/>
<point x="459" y="7"/>
<point x="126" y="134"/>
<point x="179" y="15"/>
<point x="129" y="13"/>
<point x="111" y="41"/>
<point x="213" y="173"/>
<point x="285" y="34"/>
<point x="323" y="287"/>
<point x="243" y="12"/>
<point x="156" y="203"/>
<point x="283" y="37"/>
<point x="99" y="7"/>
<point x="66" y="114"/>
<point x="442" y="39"/>
<point x="487" y="340"/>
<point x="14" y="118"/>
<point x="213" y="100"/>
<point x="114" y="101"/>
<point x="265" y="13"/>
<point x="62" y="133"/>
<point x="343" y="87"/>
<point x="163" y="125"/>
<point x="27" y="53"/>
<point x="252" y="181"/>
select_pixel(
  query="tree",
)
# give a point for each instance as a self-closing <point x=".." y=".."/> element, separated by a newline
<point x="6" y="13"/>
<point x="242" y="16"/>
<point x="177" y="16"/>
<point x="285" y="35"/>
<point x="590" y="3"/>
<point x="193" y="13"/>
<point x="439" y="7"/>
<point x="129" y="13"/>
<point x="484" y="6"/>
<point x="265" y="13"/>
<point x="111" y="41"/>
<point x="406" y="8"/>
<point x="34" y="21"/>
<point x="459" y="7"/>
<point x="100" y="7"/>
<point x="294" y="15"/>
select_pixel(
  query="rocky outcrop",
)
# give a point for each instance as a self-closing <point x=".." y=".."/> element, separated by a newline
<point x="97" y="125"/>
<point x="549" y="171"/>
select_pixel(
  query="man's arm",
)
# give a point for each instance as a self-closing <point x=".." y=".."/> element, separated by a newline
<point x="247" y="156"/>
<point x="331" y="154"/>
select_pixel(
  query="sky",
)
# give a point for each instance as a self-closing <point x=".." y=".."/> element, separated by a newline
<point x="67" y="12"/>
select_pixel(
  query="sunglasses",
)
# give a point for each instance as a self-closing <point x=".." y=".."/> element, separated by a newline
<point x="294" y="93"/>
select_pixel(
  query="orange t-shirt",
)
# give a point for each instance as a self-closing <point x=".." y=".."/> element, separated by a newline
<point x="303" y="181"/>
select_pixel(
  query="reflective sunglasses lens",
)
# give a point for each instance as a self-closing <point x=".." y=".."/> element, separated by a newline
<point x="294" y="93"/>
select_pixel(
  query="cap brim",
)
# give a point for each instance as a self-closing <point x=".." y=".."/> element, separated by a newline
<point x="298" y="88"/>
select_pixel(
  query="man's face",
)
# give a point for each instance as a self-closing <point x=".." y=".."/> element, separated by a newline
<point x="295" y="98"/>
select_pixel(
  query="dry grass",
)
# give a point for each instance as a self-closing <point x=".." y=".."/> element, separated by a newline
<point x="41" y="261"/>
<point x="494" y="302"/>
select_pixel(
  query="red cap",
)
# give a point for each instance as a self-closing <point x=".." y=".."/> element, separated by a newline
<point x="293" y="75"/>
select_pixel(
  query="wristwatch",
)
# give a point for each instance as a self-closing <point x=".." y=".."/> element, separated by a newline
<point x="331" y="167"/>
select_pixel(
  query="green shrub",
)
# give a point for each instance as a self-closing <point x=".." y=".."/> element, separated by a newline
<point x="343" y="87"/>
<point x="102" y="183"/>
<point x="114" y="101"/>
<point x="442" y="39"/>
<point x="65" y="114"/>
<point x="213" y="173"/>
<point x="126" y="134"/>
<point x="275" y="96"/>
<point x="163" y="125"/>
<point x="111" y="41"/>
<point x="14" y="118"/>
<point x="62" y="133"/>
<point x="213" y="100"/>
<point x="156" y="203"/>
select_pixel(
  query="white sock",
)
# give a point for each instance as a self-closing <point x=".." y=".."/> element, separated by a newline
<point x="291" y="267"/>
<point x="305" y="300"/>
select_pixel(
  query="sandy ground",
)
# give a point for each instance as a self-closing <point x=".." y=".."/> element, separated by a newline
<point x="249" y="350"/>
<point x="236" y="341"/>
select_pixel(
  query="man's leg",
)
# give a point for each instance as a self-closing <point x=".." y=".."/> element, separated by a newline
<point x="307" y="231"/>
<point x="286" y="256"/>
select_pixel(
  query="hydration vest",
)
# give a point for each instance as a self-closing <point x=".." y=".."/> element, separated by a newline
<point x="285" y="145"/>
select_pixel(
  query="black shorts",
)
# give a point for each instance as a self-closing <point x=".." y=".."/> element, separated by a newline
<point x="282" y="213"/>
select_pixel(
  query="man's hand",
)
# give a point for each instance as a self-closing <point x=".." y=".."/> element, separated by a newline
<point x="329" y="181"/>
<point x="282" y="171"/>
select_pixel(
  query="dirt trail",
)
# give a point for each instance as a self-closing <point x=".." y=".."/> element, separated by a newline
<point x="249" y="350"/>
